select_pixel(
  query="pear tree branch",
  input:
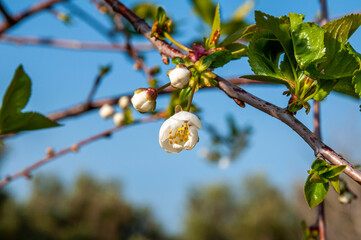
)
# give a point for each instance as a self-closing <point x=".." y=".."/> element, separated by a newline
<point x="237" y="93"/>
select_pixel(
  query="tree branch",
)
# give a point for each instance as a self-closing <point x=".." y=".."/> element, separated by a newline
<point x="32" y="10"/>
<point x="234" y="92"/>
<point x="72" y="44"/>
<point x="26" y="172"/>
<point x="5" y="13"/>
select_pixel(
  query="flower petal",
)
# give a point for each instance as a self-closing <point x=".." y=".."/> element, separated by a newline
<point x="167" y="126"/>
<point x="193" y="138"/>
<point x="169" y="148"/>
<point x="187" y="116"/>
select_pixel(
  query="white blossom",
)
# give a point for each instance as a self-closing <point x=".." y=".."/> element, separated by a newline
<point x="144" y="100"/>
<point x="179" y="132"/>
<point x="106" y="111"/>
<point x="123" y="102"/>
<point x="118" y="119"/>
<point x="179" y="77"/>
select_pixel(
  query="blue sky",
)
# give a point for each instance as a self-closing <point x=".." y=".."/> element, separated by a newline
<point x="150" y="176"/>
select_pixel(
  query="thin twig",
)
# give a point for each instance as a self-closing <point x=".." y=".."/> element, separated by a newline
<point x="235" y="92"/>
<point x="321" y="218"/>
<point x="29" y="12"/>
<point x="94" y="88"/>
<point x="26" y="172"/>
<point x="72" y="44"/>
<point x="6" y="14"/>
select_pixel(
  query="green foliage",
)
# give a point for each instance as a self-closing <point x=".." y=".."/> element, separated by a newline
<point x="205" y="9"/>
<point x="317" y="183"/>
<point x="89" y="210"/>
<point x="12" y="120"/>
<point x="216" y="31"/>
<point x="305" y="57"/>
<point x="221" y="212"/>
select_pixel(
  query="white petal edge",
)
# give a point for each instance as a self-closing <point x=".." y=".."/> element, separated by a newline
<point x="187" y="116"/>
<point x="168" y="125"/>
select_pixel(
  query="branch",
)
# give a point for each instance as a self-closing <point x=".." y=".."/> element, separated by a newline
<point x="234" y="92"/>
<point x="5" y="13"/>
<point x="26" y="172"/>
<point x="32" y="10"/>
<point x="71" y="44"/>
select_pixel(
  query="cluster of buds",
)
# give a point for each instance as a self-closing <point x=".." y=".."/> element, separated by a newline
<point x="162" y="25"/>
<point x="119" y="118"/>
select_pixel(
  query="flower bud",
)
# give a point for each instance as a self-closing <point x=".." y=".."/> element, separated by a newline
<point x="179" y="77"/>
<point x="123" y="102"/>
<point x="118" y="119"/>
<point x="106" y="111"/>
<point x="144" y="100"/>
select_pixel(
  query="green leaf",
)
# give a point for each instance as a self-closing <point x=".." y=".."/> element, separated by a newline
<point x="345" y="86"/>
<point x="216" y="30"/>
<point x="276" y="27"/>
<point x="128" y="116"/>
<point x="219" y="58"/>
<point x="263" y="53"/>
<point x="325" y="88"/>
<point x="205" y="9"/>
<point x="26" y="121"/>
<point x="307" y="39"/>
<point x="232" y="38"/>
<point x="315" y="193"/>
<point x="336" y="35"/>
<point x="356" y="80"/>
<point x="17" y="94"/>
<point x="161" y="15"/>
<point x="318" y="179"/>
<point x="177" y="60"/>
<point x="243" y="10"/>
<point x="185" y="93"/>
<point x="237" y="50"/>
<point x="319" y="164"/>
<point x="335" y="181"/>
<point x="333" y="171"/>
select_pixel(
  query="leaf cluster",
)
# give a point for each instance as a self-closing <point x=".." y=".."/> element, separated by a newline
<point x="318" y="180"/>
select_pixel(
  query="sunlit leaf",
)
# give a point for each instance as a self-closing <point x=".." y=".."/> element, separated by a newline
<point x="315" y="193"/>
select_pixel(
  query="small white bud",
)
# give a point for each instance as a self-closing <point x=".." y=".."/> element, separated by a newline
<point x="224" y="162"/>
<point x="118" y="119"/>
<point x="179" y="77"/>
<point x="106" y="111"/>
<point x="346" y="197"/>
<point x="144" y="100"/>
<point x="123" y="102"/>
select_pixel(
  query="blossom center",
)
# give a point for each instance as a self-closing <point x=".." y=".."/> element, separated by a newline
<point x="179" y="135"/>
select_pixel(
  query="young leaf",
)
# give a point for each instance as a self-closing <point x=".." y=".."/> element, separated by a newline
<point x="345" y="86"/>
<point x="319" y="165"/>
<point x="17" y="94"/>
<point x="307" y="39"/>
<point x="333" y="171"/>
<point x="177" y="60"/>
<point x="315" y="193"/>
<point x="219" y="58"/>
<point x="25" y="122"/>
<point x="325" y="88"/>
<point x="216" y="30"/>
<point x="185" y="93"/>
<point x="335" y="181"/>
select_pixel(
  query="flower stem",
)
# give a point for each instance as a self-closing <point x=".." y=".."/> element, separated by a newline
<point x="167" y="35"/>
<point x="191" y="97"/>
<point x="163" y="87"/>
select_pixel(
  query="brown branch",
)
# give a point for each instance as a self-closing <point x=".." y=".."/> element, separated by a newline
<point x="32" y="10"/>
<point x="324" y="12"/>
<point x="234" y="92"/>
<point x="321" y="220"/>
<point x="5" y="13"/>
<point x="26" y="172"/>
<point x="72" y="44"/>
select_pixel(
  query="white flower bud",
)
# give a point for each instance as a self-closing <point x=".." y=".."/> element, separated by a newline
<point x="123" y="102"/>
<point x="118" y="119"/>
<point x="346" y="197"/>
<point x="144" y="100"/>
<point x="106" y="111"/>
<point x="179" y="77"/>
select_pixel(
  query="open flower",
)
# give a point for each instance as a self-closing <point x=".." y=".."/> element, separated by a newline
<point x="179" y="132"/>
<point x="144" y="100"/>
<point x="179" y="77"/>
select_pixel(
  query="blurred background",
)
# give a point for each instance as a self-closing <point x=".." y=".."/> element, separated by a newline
<point x="243" y="180"/>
